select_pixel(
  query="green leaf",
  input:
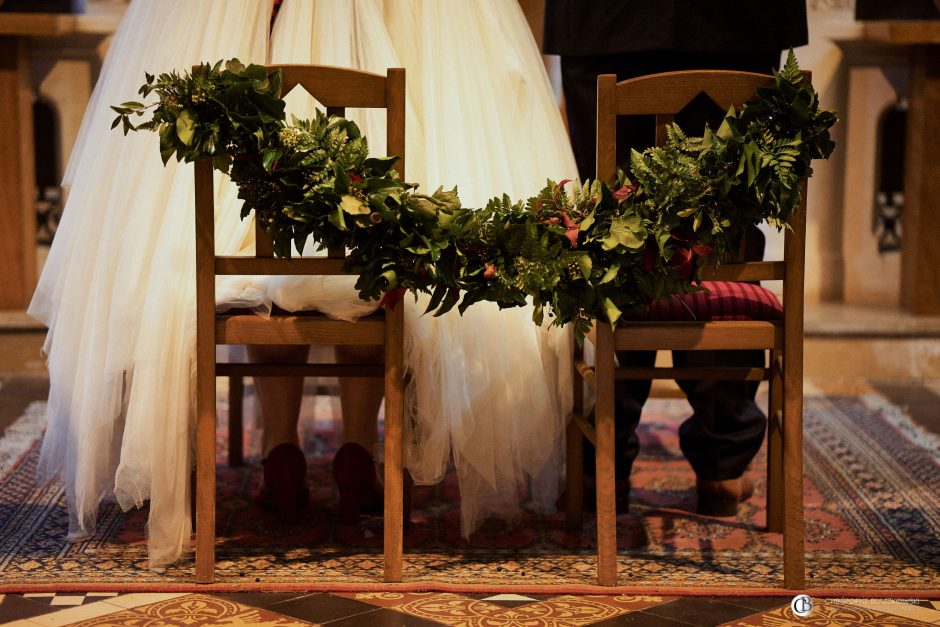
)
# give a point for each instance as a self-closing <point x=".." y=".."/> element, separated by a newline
<point x="391" y="279"/>
<point x="235" y="66"/>
<point x="379" y="165"/>
<point x="337" y="219"/>
<point x="587" y="222"/>
<point x="186" y="127"/>
<point x="611" y="273"/>
<point x="268" y="157"/>
<point x="440" y="291"/>
<point x="450" y="299"/>
<point x="354" y="206"/>
<point x="611" y="311"/>
<point x="585" y="264"/>
<point x="724" y="130"/>
<point x="624" y="232"/>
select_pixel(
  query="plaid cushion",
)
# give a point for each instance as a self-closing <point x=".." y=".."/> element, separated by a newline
<point x="724" y="300"/>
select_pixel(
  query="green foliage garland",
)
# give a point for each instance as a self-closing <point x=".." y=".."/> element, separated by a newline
<point x="597" y="252"/>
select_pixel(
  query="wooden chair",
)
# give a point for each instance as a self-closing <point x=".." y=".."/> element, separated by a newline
<point x="665" y="95"/>
<point x="335" y="88"/>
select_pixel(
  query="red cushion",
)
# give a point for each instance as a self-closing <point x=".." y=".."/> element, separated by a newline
<point x="724" y="300"/>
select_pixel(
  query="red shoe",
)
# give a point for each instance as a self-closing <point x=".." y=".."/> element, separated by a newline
<point x="354" y="472"/>
<point x="285" y="482"/>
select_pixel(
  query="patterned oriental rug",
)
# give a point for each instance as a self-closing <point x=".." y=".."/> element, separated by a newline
<point x="872" y="500"/>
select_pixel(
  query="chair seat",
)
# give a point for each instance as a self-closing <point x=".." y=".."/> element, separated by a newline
<point x="724" y="300"/>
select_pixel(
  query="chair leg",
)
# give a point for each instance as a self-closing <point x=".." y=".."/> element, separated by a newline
<point x="604" y="442"/>
<point x="775" y="447"/>
<point x="794" y="573"/>
<point x="574" y="457"/>
<point x="394" y="417"/>
<point x="205" y="478"/>
<point x="236" y="394"/>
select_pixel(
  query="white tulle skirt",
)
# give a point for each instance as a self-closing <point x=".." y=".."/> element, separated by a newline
<point x="118" y="292"/>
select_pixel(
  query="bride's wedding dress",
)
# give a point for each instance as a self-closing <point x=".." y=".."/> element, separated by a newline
<point x="118" y="291"/>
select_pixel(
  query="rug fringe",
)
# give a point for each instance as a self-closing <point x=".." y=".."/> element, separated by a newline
<point x="901" y="421"/>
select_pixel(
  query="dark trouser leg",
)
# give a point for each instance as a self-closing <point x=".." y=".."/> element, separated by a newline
<point x="727" y="427"/>
<point x="628" y="405"/>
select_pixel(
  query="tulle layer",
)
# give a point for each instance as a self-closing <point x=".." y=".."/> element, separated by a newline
<point x="118" y="291"/>
<point x="481" y="117"/>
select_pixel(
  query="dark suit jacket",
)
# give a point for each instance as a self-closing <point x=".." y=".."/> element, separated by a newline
<point x="595" y="27"/>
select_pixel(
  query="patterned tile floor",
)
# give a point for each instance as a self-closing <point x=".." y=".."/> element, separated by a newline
<point x="385" y="609"/>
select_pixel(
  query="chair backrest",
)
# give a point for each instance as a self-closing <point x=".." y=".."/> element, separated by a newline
<point x="664" y="96"/>
<point x="335" y="88"/>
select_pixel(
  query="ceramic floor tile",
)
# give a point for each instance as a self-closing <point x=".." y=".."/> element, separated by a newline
<point x="67" y="600"/>
<point x="385" y="618"/>
<point x="194" y="609"/>
<point x="14" y="607"/>
<point x="509" y="600"/>
<point x="321" y="608"/>
<point x="135" y="599"/>
<point x="758" y="603"/>
<point x="640" y="619"/>
<point x="75" y="614"/>
<point x="568" y="610"/>
<point x="387" y="599"/>
<point x="259" y="599"/>
<point x="700" y="611"/>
